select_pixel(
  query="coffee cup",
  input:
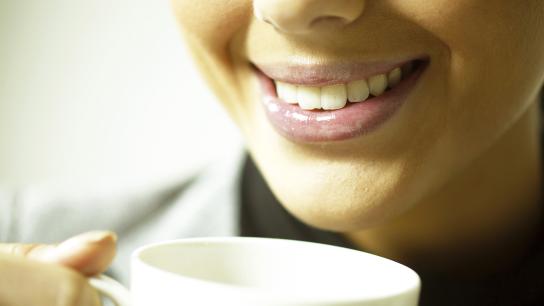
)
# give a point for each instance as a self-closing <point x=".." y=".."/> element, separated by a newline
<point x="244" y="271"/>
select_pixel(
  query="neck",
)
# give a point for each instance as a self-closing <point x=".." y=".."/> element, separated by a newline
<point x="483" y="221"/>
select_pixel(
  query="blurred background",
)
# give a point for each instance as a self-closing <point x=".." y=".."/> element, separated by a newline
<point x="101" y="94"/>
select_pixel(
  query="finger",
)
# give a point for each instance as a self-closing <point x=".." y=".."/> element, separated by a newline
<point x="89" y="253"/>
<point x="29" y="250"/>
<point x="28" y="282"/>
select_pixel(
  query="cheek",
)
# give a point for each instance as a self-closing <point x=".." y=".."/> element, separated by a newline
<point x="209" y="27"/>
<point x="496" y="60"/>
<point x="212" y="21"/>
<point x="497" y="70"/>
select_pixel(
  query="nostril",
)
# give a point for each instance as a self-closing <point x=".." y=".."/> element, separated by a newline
<point x="300" y="16"/>
<point x="329" y="20"/>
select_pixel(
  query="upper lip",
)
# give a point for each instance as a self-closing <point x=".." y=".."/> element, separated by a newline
<point x="329" y="74"/>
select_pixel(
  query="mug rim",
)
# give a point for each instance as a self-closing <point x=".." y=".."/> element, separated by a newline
<point x="412" y="285"/>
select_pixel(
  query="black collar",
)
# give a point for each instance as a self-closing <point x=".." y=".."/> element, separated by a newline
<point x="263" y="216"/>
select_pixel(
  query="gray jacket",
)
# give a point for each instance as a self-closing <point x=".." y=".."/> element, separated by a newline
<point x="206" y="204"/>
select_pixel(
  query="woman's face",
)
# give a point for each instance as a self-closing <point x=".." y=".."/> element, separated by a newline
<point x="479" y="65"/>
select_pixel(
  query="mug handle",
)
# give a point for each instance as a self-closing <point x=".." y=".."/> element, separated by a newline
<point x="111" y="289"/>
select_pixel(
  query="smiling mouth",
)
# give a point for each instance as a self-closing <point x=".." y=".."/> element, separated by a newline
<point x="308" y="103"/>
<point x="333" y="87"/>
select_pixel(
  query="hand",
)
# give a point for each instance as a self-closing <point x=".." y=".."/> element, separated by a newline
<point x="54" y="275"/>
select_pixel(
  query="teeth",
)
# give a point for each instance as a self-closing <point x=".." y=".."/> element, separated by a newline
<point x="287" y="92"/>
<point x="309" y="97"/>
<point x="377" y="84"/>
<point x="394" y="77"/>
<point x="334" y="96"/>
<point x="358" y="91"/>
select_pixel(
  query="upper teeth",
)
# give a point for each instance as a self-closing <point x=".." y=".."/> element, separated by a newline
<point x="336" y="96"/>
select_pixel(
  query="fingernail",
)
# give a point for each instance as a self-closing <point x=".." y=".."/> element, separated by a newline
<point x="84" y="240"/>
<point x="92" y="237"/>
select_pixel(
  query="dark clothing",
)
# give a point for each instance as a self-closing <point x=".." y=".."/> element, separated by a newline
<point x="263" y="216"/>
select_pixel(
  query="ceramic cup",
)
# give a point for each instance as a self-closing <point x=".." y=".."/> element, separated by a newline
<point x="242" y="271"/>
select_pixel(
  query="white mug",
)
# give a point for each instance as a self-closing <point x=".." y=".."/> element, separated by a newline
<point x="242" y="271"/>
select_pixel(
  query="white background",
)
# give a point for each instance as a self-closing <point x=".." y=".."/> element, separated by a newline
<point x="101" y="92"/>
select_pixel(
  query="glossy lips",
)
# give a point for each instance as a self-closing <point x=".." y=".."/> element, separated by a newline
<point x="347" y="120"/>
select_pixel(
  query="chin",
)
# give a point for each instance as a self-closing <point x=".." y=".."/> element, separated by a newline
<point x="338" y="196"/>
<point x="360" y="213"/>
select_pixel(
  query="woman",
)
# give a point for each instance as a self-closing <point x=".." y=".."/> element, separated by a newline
<point x="409" y="129"/>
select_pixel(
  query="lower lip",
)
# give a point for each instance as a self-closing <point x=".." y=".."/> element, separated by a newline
<point x="354" y="120"/>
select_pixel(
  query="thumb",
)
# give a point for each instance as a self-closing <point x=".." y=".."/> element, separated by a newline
<point x="89" y="253"/>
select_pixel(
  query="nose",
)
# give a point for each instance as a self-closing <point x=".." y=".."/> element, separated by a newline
<point x="302" y="16"/>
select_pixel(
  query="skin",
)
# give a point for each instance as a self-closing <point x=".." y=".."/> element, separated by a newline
<point x="450" y="184"/>
<point x="453" y="178"/>
<point x="52" y="275"/>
